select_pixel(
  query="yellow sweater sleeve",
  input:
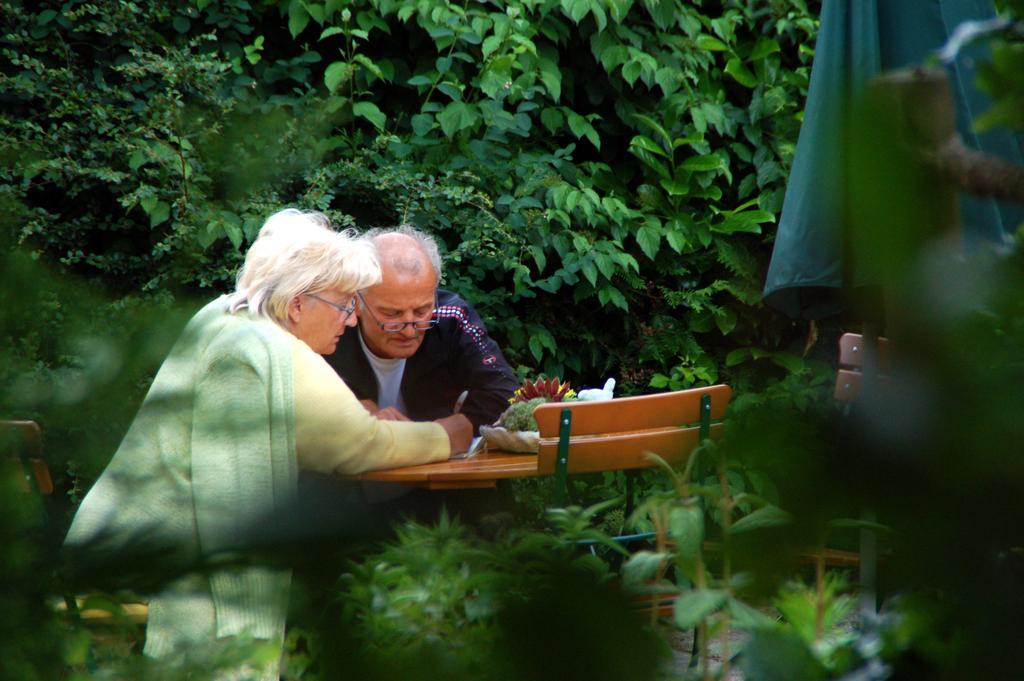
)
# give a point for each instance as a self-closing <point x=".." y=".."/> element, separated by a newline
<point x="335" y="434"/>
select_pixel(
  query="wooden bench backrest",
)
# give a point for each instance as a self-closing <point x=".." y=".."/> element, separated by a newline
<point x="22" y="445"/>
<point x="850" y="376"/>
<point x="617" y="434"/>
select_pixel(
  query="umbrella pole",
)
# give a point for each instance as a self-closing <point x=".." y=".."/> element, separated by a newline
<point x="866" y="308"/>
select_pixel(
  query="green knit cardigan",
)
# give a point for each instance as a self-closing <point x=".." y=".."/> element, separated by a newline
<point x="209" y="457"/>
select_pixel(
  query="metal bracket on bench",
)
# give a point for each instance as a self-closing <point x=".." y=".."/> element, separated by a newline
<point x="705" y="417"/>
<point x="562" y="458"/>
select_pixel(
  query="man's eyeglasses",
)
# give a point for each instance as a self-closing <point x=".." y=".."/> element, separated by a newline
<point x="398" y="327"/>
<point x="345" y="310"/>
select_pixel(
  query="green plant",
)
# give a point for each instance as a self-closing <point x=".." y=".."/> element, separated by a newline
<point x="519" y="416"/>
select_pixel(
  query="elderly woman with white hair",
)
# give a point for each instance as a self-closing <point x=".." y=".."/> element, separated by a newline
<point x="243" y="401"/>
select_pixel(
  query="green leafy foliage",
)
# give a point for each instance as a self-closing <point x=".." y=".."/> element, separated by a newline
<point x="1000" y="76"/>
<point x="590" y="167"/>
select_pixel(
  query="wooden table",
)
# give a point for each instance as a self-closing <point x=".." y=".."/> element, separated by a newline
<point x="480" y="471"/>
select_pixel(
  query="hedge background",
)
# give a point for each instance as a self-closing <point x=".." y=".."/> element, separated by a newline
<point x="604" y="174"/>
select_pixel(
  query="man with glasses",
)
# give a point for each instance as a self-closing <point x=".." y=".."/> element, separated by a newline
<point x="419" y="348"/>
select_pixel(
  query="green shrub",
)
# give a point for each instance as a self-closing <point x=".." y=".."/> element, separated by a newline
<point x="599" y="173"/>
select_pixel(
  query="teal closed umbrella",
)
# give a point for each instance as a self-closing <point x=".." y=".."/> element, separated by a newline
<point x="857" y="39"/>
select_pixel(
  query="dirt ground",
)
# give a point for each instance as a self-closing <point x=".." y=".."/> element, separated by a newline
<point x="682" y="645"/>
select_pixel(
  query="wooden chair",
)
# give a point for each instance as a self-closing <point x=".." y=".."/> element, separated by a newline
<point x="22" y="446"/>
<point x="862" y="361"/>
<point x="613" y="435"/>
<point x="856" y="357"/>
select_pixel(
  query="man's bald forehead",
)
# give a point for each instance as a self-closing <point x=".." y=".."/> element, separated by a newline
<point x="402" y="252"/>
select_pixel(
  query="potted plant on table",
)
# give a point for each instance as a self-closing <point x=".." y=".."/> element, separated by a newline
<point x="516" y="430"/>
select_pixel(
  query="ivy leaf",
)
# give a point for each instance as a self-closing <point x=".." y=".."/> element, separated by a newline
<point x="702" y="163"/>
<point x="788" y="361"/>
<point x="298" y="17"/>
<point x="497" y="73"/>
<point x="707" y="42"/>
<point x="763" y="48"/>
<point x="370" y="112"/>
<point x="589" y="271"/>
<point x="631" y="71"/>
<point x="747" y="221"/>
<point x="663" y="13"/>
<point x="251" y="227"/>
<point x="370" y="66"/>
<point x="536" y="348"/>
<point x="626" y="261"/>
<point x="649" y="238"/>
<point x="578" y="9"/>
<point x="677" y="240"/>
<point x="737" y="356"/>
<point x="712" y="192"/>
<point x="613" y="56"/>
<point x="234" y="233"/>
<point x="600" y="18"/>
<point x="457" y="116"/>
<point x="675" y="187"/>
<point x="315" y="11"/>
<point x="580" y="127"/>
<point x="725" y="320"/>
<point x="700" y="121"/>
<point x="453" y="91"/>
<point x="551" y="77"/>
<point x="159" y="214"/>
<point x="422" y="124"/>
<point x="539" y="257"/>
<point x="619" y="9"/>
<point x="735" y="68"/>
<point x="207" y="235"/>
<point x="137" y="159"/>
<point x="668" y="79"/>
<point x="609" y="294"/>
<point x="336" y="74"/>
<point x="655" y="126"/>
<point x="646" y="143"/>
<point x="604" y="264"/>
<point x="148" y="203"/>
<point x="490" y="44"/>
<point x="552" y="119"/>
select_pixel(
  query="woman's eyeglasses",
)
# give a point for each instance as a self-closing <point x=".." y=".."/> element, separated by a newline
<point x="345" y="310"/>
